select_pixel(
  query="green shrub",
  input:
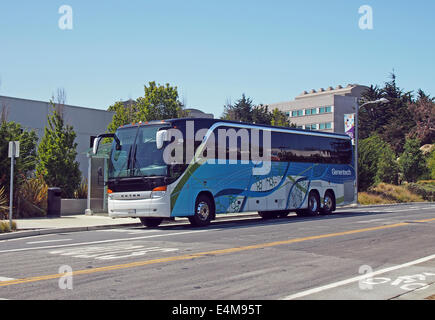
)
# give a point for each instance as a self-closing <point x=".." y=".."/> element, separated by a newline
<point x="412" y="162"/>
<point x="3" y="203"/>
<point x="32" y="197"/>
<point x="82" y="191"/>
<point x="426" y="191"/>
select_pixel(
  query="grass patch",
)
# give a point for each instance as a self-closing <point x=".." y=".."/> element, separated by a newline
<point x="384" y="193"/>
<point x="425" y="189"/>
<point x="398" y="194"/>
<point x="366" y="198"/>
<point x="5" y="226"/>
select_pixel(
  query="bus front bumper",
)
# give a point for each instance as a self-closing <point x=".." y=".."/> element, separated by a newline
<point x="154" y="207"/>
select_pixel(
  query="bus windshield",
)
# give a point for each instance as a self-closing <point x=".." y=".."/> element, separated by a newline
<point x="137" y="155"/>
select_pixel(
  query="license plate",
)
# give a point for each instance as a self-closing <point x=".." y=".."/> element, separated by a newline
<point x="132" y="211"/>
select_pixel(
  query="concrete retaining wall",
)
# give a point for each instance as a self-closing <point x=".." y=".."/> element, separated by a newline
<point x="72" y="206"/>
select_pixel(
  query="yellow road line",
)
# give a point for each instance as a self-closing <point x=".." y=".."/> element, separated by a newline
<point x="202" y="254"/>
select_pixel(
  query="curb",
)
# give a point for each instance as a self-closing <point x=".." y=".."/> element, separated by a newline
<point x="39" y="232"/>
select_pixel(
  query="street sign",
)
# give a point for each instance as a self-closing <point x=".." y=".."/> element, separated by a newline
<point x="14" y="149"/>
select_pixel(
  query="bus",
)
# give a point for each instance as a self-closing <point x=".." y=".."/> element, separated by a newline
<point x="198" y="168"/>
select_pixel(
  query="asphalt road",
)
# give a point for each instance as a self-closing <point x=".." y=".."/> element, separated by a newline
<point x="291" y="258"/>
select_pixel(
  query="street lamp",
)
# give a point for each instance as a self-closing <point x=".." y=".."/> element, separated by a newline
<point x="378" y="101"/>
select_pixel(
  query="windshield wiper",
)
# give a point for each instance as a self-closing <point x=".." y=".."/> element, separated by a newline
<point x="134" y="163"/>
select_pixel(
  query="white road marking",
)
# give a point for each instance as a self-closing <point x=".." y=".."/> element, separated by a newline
<point x="355" y="279"/>
<point x="370" y="221"/>
<point x="108" y="241"/>
<point x="45" y="241"/>
<point x="128" y="231"/>
<point x="110" y="252"/>
<point x="6" y="279"/>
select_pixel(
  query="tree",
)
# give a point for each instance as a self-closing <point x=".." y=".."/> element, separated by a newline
<point x="431" y="164"/>
<point x="244" y="110"/>
<point x="57" y="154"/>
<point x="388" y="168"/>
<point x="412" y="162"/>
<point x="25" y="163"/>
<point x="280" y="119"/>
<point x="423" y="111"/>
<point x="241" y="111"/>
<point x="159" y="102"/>
<point x="260" y="115"/>
<point x="124" y="113"/>
<point x="392" y="121"/>
<point x="369" y="152"/>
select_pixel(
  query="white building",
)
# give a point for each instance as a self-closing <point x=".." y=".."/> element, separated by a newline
<point x="322" y="109"/>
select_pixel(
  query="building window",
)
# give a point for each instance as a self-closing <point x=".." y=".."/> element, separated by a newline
<point x="287" y="114"/>
<point x="314" y="111"/>
<point x="327" y="109"/>
<point x="307" y="112"/>
<point x="294" y="113"/>
<point x="324" y="126"/>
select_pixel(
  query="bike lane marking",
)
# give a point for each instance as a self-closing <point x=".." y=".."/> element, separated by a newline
<point x="363" y="277"/>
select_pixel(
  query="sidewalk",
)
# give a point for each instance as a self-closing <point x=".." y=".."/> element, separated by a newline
<point x="71" y="223"/>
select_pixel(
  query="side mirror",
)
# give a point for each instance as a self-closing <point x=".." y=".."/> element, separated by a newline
<point x="96" y="144"/>
<point x="161" y="137"/>
<point x="104" y="135"/>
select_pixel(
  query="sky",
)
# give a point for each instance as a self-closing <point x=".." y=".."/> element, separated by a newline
<point x="212" y="51"/>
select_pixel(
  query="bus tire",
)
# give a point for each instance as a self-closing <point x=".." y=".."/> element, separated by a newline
<point x="151" y="222"/>
<point x="328" y="203"/>
<point x="313" y="205"/>
<point x="204" y="211"/>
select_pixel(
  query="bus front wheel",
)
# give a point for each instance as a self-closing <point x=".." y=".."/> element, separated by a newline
<point x="204" y="211"/>
<point x="151" y="222"/>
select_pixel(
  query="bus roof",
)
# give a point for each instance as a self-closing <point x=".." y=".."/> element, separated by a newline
<point x="210" y="122"/>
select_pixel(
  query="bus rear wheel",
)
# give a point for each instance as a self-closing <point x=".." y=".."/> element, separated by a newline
<point x="204" y="212"/>
<point x="313" y="206"/>
<point x="328" y="203"/>
<point x="151" y="222"/>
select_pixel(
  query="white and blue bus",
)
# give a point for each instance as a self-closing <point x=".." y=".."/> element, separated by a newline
<point x="197" y="168"/>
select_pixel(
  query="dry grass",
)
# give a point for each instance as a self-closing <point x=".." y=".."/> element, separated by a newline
<point x="366" y="198"/>
<point x="5" y="226"/>
<point x="385" y="193"/>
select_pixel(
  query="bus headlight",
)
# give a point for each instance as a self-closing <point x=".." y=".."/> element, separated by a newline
<point x="158" y="192"/>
